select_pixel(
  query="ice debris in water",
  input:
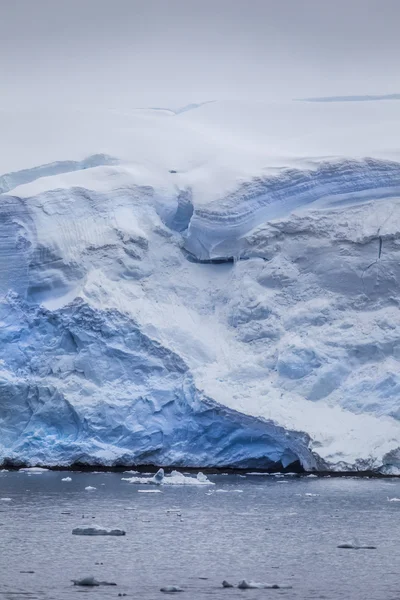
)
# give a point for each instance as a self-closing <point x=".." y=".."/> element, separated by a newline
<point x="90" y="488"/>
<point x="150" y="491"/>
<point x="91" y="582"/>
<point x="33" y="470"/>
<point x="226" y="584"/>
<point x="170" y="589"/>
<point x="254" y="585"/>
<point x="66" y="479"/>
<point x="309" y="495"/>
<point x="394" y="499"/>
<point x="5" y="499"/>
<point x="97" y="530"/>
<point x="356" y="546"/>
<point x="175" y="478"/>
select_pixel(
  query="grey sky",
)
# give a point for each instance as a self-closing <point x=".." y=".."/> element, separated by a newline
<point x="172" y="52"/>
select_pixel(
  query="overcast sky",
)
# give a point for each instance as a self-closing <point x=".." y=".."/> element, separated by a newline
<point x="173" y="52"/>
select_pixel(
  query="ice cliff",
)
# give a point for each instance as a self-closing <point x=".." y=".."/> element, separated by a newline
<point x="215" y="287"/>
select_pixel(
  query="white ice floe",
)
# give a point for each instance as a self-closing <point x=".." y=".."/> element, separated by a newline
<point x="90" y="488"/>
<point x="5" y="499"/>
<point x="170" y="589"/>
<point x="91" y="582"/>
<point x="254" y="585"/>
<point x="394" y="499"/>
<point x="150" y="491"/>
<point x="66" y="479"/>
<point x="33" y="470"/>
<point x="97" y="530"/>
<point x="175" y="478"/>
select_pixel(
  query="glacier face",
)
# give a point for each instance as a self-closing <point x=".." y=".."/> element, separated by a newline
<point x="201" y="310"/>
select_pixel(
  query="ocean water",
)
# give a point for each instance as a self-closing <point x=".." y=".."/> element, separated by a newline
<point x="262" y="528"/>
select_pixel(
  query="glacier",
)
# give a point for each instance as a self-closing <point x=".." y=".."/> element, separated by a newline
<point x="215" y="287"/>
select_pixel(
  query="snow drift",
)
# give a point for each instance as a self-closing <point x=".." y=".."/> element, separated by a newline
<point x="224" y="292"/>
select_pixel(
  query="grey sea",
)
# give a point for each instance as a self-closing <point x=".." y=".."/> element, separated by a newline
<point x="272" y="529"/>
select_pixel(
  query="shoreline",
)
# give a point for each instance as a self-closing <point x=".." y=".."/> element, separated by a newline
<point x="294" y="471"/>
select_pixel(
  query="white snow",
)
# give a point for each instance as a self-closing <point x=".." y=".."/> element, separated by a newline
<point x="286" y="350"/>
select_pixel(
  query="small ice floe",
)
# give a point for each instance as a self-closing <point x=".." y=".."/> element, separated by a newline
<point x="150" y="491"/>
<point x="226" y="584"/>
<point x="254" y="585"/>
<point x="175" y="478"/>
<point x="132" y="472"/>
<point x="97" y="530"/>
<point x="90" y="488"/>
<point x="254" y="473"/>
<point x="220" y="491"/>
<point x="5" y="499"/>
<point x="393" y="499"/>
<point x="312" y="476"/>
<point x="3" y="470"/>
<point x="33" y="470"/>
<point x="171" y="589"/>
<point x="356" y="546"/>
<point x="91" y="582"/>
<point x="66" y="479"/>
<point x="309" y="495"/>
<point x="130" y="508"/>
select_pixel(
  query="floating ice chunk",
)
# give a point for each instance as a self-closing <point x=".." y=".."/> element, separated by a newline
<point x="229" y="491"/>
<point x="254" y="585"/>
<point x="3" y="470"/>
<point x="394" y="499"/>
<point x="312" y="476"/>
<point x="159" y="476"/>
<point x="150" y="491"/>
<point x="309" y="495"/>
<point x="90" y="488"/>
<point x="175" y="478"/>
<point x="356" y="546"/>
<point x="66" y="479"/>
<point x="86" y="581"/>
<point x="226" y="584"/>
<point x="97" y="530"/>
<point x="33" y="470"/>
<point x="5" y="499"/>
<point x="171" y="589"/>
<point x="202" y="478"/>
<point x="91" y="582"/>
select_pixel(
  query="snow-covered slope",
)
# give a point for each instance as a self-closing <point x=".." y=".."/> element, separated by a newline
<point x="216" y="287"/>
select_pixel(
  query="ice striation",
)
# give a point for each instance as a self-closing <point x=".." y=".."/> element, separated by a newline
<point x="209" y="302"/>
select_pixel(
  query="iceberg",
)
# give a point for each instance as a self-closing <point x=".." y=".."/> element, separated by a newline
<point x="175" y="478"/>
<point x="218" y="289"/>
